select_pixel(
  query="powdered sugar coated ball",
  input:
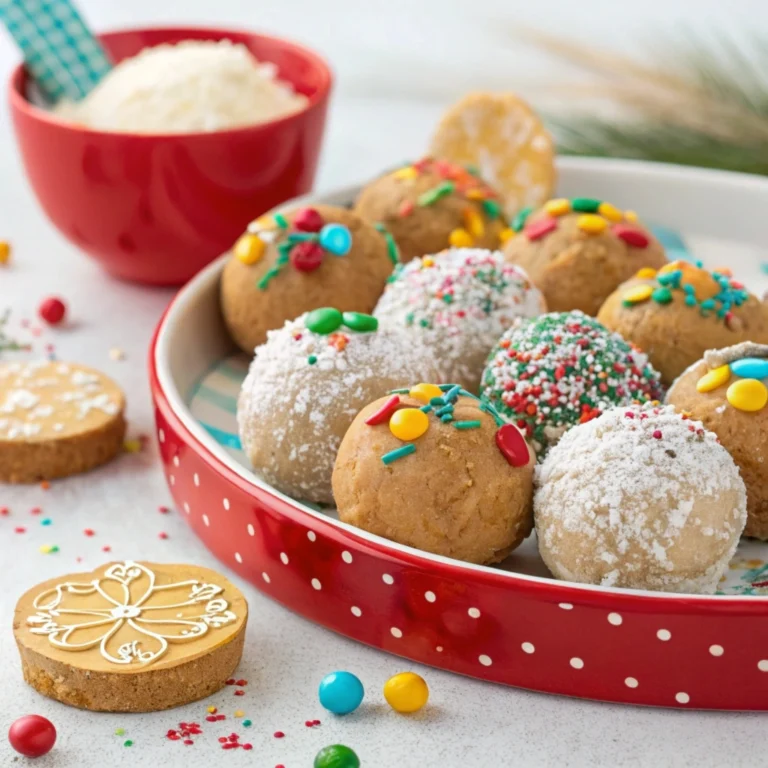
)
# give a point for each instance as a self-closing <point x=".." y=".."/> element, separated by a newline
<point x="458" y="302"/>
<point x="562" y="369"/>
<point x="303" y="390"/>
<point x="642" y="498"/>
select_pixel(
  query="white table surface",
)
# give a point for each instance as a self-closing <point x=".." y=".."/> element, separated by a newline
<point x="450" y="47"/>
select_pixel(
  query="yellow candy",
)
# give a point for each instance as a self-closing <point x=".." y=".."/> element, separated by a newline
<point x="460" y="238"/>
<point x="408" y="424"/>
<point x="428" y="261"/>
<point x="637" y="295"/>
<point x="473" y="221"/>
<point x="249" y="249"/>
<point x="5" y="252"/>
<point x="630" y="216"/>
<point x="406" y="692"/>
<point x="409" y="172"/>
<point x="506" y="234"/>
<point x="748" y="395"/>
<point x="558" y="207"/>
<point x="646" y="273"/>
<point x="673" y="266"/>
<point x="714" y="379"/>
<point x="591" y="223"/>
<point x="132" y="446"/>
<point x="475" y="194"/>
<point x="425" y="392"/>
<point x="610" y="212"/>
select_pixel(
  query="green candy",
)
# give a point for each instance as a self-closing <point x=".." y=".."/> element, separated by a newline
<point x="359" y="322"/>
<point x="492" y="209"/>
<point x="585" y="204"/>
<point x="281" y="221"/>
<point x="662" y="296"/>
<point x="336" y="756"/>
<point x="324" y="321"/>
<point x="433" y="195"/>
<point x="522" y="216"/>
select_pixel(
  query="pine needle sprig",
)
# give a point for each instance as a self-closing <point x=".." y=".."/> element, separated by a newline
<point x="702" y="101"/>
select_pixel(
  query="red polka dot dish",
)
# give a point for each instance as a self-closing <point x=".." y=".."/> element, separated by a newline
<point x="514" y="624"/>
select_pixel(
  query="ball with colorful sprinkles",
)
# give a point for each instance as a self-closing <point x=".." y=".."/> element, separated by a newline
<point x="680" y="311"/>
<point x="433" y="204"/>
<point x="641" y="498"/>
<point x="307" y="383"/>
<point x="728" y="392"/>
<point x="578" y="250"/>
<point x="561" y="369"/>
<point x="292" y="262"/>
<point x="458" y="303"/>
<point x="432" y="467"/>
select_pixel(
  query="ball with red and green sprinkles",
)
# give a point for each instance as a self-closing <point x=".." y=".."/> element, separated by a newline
<point x="458" y="303"/>
<point x="550" y="373"/>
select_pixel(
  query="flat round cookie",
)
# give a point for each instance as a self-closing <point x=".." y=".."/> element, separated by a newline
<point x="500" y="135"/>
<point x="131" y="637"/>
<point x="57" y="419"/>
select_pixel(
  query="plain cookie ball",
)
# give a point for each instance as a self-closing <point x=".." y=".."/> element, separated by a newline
<point x="290" y="263"/>
<point x="457" y="303"/>
<point x="579" y="251"/>
<point x="304" y="388"/>
<point x="727" y="392"/>
<point x="641" y="498"/>
<point x="676" y="314"/>
<point x="438" y="471"/>
<point x="432" y="204"/>
<point x="548" y="374"/>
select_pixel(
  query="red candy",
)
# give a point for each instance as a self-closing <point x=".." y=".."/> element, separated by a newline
<point x="540" y="227"/>
<point x="512" y="445"/>
<point x="52" y="310"/>
<point x="306" y="256"/>
<point x="32" y="735"/>
<point x="308" y="220"/>
<point x="383" y="414"/>
<point x="631" y="236"/>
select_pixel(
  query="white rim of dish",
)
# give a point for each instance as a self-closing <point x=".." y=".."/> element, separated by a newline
<point x="202" y="282"/>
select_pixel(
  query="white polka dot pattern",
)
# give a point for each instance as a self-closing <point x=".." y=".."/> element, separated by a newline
<point x="478" y="627"/>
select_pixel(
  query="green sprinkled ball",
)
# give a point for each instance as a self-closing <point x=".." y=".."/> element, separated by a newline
<point x="561" y="369"/>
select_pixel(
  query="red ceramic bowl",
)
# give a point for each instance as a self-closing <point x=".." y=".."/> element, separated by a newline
<point x="157" y="208"/>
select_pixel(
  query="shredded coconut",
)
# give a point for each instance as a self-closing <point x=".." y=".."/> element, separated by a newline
<point x="188" y="87"/>
<point x="459" y="302"/>
<point x="647" y="486"/>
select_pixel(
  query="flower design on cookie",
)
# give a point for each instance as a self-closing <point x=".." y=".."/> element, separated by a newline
<point x="127" y="614"/>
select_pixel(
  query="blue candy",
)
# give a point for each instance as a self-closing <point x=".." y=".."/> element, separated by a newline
<point x="751" y="368"/>
<point x="336" y="239"/>
<point x="341" y="692"/>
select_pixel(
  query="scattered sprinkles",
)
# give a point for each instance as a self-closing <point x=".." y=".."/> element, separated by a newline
<point x="482" y="204"/>
<point x="302" y="245"/>
<point x="711" y="293"/>
<point x="562" y="369"/>
<point x="596" y="217"/>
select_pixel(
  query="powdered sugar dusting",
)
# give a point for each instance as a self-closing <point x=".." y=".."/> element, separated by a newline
<point x="303" y="390"/>
<point x="458" y="302"/>
<point x="650" y="488"/>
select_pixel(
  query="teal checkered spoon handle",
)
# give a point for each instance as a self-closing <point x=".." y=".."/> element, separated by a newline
<point x="61" y="54"/>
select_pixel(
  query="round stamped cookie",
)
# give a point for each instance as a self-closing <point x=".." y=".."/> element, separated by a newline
<point x="504" y="139"/>
<point x="57" y="419"/>
<point x="131" y="637"/>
